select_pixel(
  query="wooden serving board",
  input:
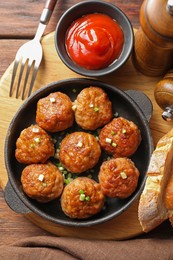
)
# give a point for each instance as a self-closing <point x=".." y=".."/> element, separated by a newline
<point x="52" y="69"/>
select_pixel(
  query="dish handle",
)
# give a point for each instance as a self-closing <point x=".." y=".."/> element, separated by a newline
<point x="143" y="102"/>
<point x="13" y="200"/>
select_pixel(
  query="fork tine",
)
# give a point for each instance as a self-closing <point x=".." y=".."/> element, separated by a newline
<point x="16" y="63"/>
<point x="33" y="78"/>
<point x="20" y="76"/>
<point x="26" y="77"/>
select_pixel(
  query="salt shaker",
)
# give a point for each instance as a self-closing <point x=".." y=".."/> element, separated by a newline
<point x="163" y="94"/>
<point x="153" y="47"/>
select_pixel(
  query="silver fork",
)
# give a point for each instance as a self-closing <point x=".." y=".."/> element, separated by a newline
<point x="30" y="54"/>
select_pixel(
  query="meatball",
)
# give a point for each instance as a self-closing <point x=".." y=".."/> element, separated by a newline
<point x="79" y="152"/>
<point x="42" y="182"/>
<point x="34" y="145"/>
<point x="82" y="198"/>
<point x="93" y="108"/>
<point x="118" y="177"/>
<point x="120" y="137"/>
<point x="54" y="113"/>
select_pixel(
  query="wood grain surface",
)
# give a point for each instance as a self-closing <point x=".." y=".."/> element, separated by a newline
<point x="52" y="69"/>
<point x="18" y="23"/>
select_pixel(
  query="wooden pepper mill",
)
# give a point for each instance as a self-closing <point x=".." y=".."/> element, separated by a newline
<point x="153" y="47"/>
<point x="163" y="94"/>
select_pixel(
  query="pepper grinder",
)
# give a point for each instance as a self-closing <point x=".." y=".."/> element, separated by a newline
<point x="163" y="94"/>
<point x="153" y="46"/>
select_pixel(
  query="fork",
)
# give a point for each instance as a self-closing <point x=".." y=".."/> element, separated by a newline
<point x="30" y="54"/>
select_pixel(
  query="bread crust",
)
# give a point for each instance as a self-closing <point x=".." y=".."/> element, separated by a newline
<point x="152" y="211"/>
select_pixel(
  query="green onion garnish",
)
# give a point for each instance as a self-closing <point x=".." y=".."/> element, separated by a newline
<point x="87" y="198"/>
<point x="96" y="109"/>
<point x="116" y="114"/>
<point x="82" y="197"/>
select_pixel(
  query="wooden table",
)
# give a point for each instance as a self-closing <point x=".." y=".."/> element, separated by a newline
<point x="18" y="23"/>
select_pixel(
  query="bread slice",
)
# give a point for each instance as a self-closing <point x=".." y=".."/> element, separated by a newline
<point x="169" y="197"/>
<point x="152" y="211"/>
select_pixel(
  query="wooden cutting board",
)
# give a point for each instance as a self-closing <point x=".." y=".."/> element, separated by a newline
<point x="52" y="69"/>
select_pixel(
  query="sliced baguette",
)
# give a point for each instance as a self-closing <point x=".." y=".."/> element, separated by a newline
<point x="169" y="197"/>
<point x="152" y="211"/>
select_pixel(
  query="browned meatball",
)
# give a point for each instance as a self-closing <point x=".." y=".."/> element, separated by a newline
<point x="118" y="177"/>
<point x="54" y="112"/>
<point x="79" y="152"/>
<point x="42" y="182"/>
<point x="93" y="108"/>
<point x="82" y="198"/>
<point x="34" y="145"/>
<point x="120" y="137"/>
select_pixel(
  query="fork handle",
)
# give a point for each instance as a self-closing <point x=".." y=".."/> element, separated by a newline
<point x="47" y="11"/>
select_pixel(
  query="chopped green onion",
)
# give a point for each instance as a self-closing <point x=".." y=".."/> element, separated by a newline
<point x="44" y="184"/>
<point x="82" y="197"/>
<point x="74" y="90"/>
<point x="108" y="140"/>
<point x="123" y="175"/>
<point x="41" y="177"/>
<point x="32" y="145"/>
<point x="37" y="140"/>
<point x="114" y="144"/>
<point x="96" y="109"/>
<point x="69" y="175"/>
<point x="96" y="137"/>
<point x="87" y="198"/>
<point x="81" y="191"/>
<point x="74" y="107"/>
<point x="52" y="100"/>
<point x="68" y="180"/>
<point x="58" y="164"/>
<point x="35" y="130"/>
<point x="112" y="133"/>
<point x="124" y="131"/>
<point x="79" y="144"/>
<point x="116" y="114"/>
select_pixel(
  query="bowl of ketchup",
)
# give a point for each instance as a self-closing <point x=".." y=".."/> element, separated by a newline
<point x="94" y="38"/>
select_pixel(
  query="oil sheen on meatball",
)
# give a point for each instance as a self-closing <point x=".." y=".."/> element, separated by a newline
<point x="54" y="112"/>
<point x="82" y="198"/>
<point x="120" y="137"/>
<point x="93" y="108"/>
<point x="42" y="182"/>
<point x="34" y="145"/>
<point x="79" y="152"/>
<point x="118" y="177"/>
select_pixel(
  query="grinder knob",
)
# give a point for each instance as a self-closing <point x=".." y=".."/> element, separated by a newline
<point x="163" y="94"/>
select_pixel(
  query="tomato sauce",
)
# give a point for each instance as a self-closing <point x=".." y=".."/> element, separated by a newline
<point x="94" y="41"/>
